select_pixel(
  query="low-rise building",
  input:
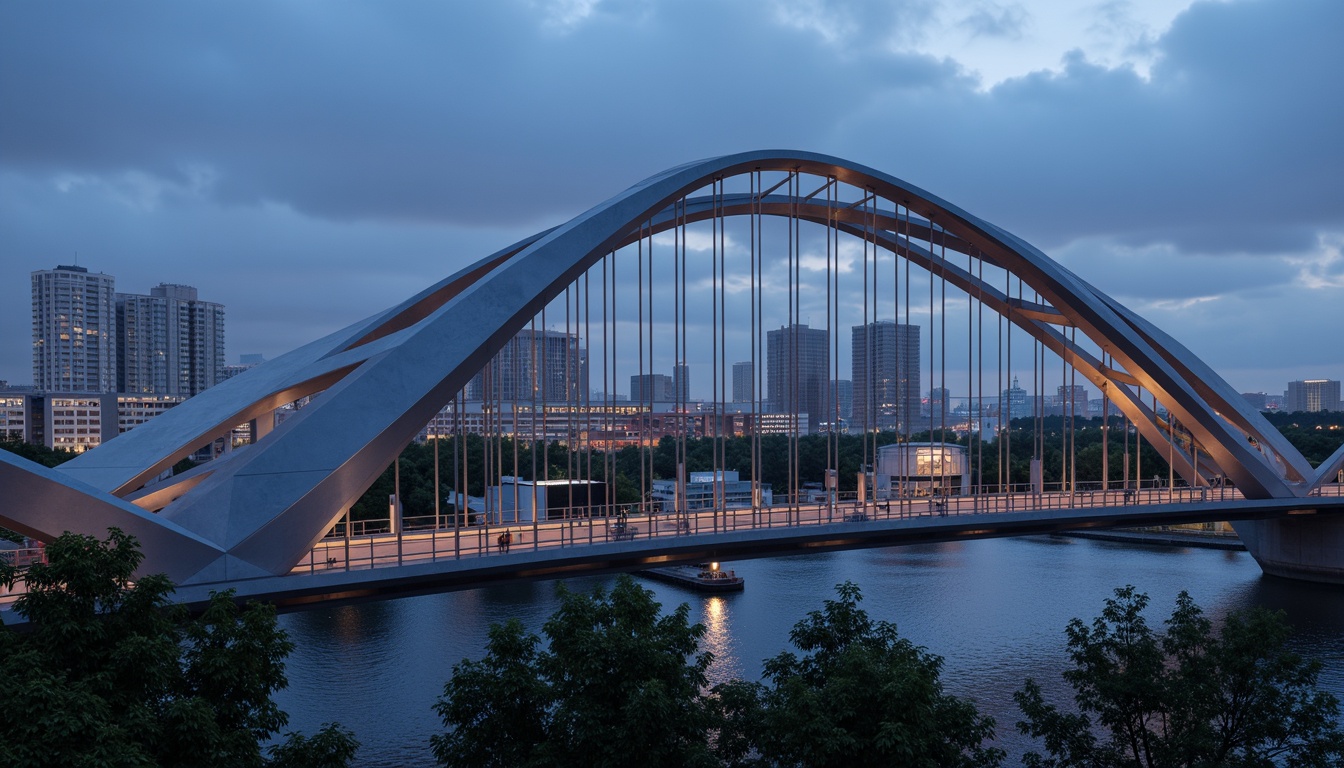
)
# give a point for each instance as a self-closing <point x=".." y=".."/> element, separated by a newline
<point x="705" y="490"/>
<point x="516" y="500"/>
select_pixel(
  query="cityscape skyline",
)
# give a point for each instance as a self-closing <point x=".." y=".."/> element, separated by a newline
<point x="1092" y="142"/>
<point x="170" y="329"/>
<point x="88" y="337"/>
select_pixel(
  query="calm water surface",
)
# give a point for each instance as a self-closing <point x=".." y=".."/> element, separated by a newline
<point x="995" y="610"/>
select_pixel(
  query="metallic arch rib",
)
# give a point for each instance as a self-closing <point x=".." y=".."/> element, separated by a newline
<point x="385" y="377"/>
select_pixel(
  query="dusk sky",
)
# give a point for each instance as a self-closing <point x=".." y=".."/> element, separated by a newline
<point x="310" y="163"/>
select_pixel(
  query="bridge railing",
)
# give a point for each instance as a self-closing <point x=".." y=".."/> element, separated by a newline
<point x="21" y="558"/>
<point x="981" y="498"/>
<point x="371" y="545"/>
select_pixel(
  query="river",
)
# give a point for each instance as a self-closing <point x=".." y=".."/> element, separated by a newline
<point x="995" y="610"/>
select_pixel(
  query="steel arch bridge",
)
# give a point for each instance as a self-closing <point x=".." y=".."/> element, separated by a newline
<point x="258" y="511"/>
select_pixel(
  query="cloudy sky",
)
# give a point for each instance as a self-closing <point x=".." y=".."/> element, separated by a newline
<point x="309" y="163"/>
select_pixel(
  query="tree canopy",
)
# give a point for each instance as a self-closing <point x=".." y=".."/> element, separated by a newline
<point x="859" y="695"/>
<point x="107" y="672"/>
<point x="617" y="685"/>
<point x="1191" y="696"/>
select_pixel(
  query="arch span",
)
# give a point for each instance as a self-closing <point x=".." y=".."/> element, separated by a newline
<point x="263" y="508"/>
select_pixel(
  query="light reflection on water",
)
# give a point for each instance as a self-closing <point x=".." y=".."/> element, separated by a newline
<point x="995" y="610"/>
<point x="719" y="639"/>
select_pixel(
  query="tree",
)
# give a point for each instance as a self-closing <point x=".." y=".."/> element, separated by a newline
<point x="109" y="673"/>
<point x="860" y="695"/>
<point x="1187" y="697"/>
<point x="332" y="747"/>
<point x="616" y="685"/>
<point x="498" y="708"/>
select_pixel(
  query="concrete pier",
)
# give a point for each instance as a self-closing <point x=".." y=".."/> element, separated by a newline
<point x="1307" y="546"/>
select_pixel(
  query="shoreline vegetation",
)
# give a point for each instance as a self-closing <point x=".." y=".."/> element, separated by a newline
<point x="109" y="673"/>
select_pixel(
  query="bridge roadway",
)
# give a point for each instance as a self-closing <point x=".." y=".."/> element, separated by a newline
<point x="420" y="562"/>
<point x="382" y="565"/>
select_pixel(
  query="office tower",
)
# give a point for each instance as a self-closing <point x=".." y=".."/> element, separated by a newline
<point x="681" y="382"/>
<point x="1078" y="406"/>
<point x="546" y="366"/>
<point x="797" y="361"/>
<point x="939" y="406"/>
<point x="885" y="372"/>
<point x="1313" y="395"/>
<point x="1257" y="400"/>
<point x="844" y="397"/>
<point x="1015" y="402"/>
<point x="744" y="383"/>
<point x="652" y="388"/>
<point x="169" y="342"/>
<point x="74" y="331"/>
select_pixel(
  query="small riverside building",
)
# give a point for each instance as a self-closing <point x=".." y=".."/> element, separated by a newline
<point x="516" y="500"/>
<point x="922" y="469"/>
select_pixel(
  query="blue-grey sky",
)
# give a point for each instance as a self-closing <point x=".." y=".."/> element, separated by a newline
<point x="309" y="163"/>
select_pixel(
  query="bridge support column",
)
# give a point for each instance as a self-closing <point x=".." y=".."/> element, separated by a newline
<point x="1306" y="547"/>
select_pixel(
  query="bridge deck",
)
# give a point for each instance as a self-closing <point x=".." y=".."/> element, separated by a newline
<point x="421" y="562"/>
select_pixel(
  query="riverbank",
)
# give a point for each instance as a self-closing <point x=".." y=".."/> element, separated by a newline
<point x="1223" y="541"/>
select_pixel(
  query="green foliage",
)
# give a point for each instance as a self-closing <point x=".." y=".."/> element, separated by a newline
<point x="1317" y="435"/>
<point x="331" y="747"/>
<point x="617" y="685"/>
<point x="1187" y="697"/>
<point x="498" y="708"/>
<point x="40" y="454"/>
<point x="629" y="467"/>
<point x="1003" y="458"/>
<point x="860" y="695"/>
<point x="108" y="673"/>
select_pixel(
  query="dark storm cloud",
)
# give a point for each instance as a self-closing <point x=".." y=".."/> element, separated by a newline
<point x="413" y="111"/>
<point x="439" y="112"/>
<point x="1230" y="145"/>
<point x="310" y="163"/>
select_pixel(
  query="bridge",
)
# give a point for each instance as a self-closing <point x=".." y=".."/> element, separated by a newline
<point x="757" y="269"/>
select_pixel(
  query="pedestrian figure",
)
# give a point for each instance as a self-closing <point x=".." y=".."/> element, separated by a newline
<point x="508" y="540"/>
<point x="499" y="542"/>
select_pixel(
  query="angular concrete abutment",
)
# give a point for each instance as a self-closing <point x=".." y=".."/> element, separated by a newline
<point x="1304" y="547"/>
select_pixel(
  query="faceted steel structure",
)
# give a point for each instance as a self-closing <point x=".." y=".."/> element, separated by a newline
<point x="259" y="510"/>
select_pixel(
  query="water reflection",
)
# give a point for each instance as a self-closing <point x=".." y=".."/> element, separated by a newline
<point x="719" y="640"/>
<point x="995" y="610"/>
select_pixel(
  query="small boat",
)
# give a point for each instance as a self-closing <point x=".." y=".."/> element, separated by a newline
<point x="705" y="577"/>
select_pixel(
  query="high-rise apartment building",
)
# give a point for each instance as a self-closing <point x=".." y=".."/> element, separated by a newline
<point x="939" y="406"/>
<point x="844" y="398"/>
<point x="74" y="331"/>
<point x="1015" y="402"/>
<point x="546" y="366"/>
<point x="885" y="374"/>
<point x="1313" y="395"/>
<point x="652" y="388"/>
<point x="1071" y="400"/>
<point x="169" y="342"/>
<point x="797" y="376"/>
<point x="1257" y="400"/>
<point x="744" y="383"/>
<point x="681" y="382"/>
